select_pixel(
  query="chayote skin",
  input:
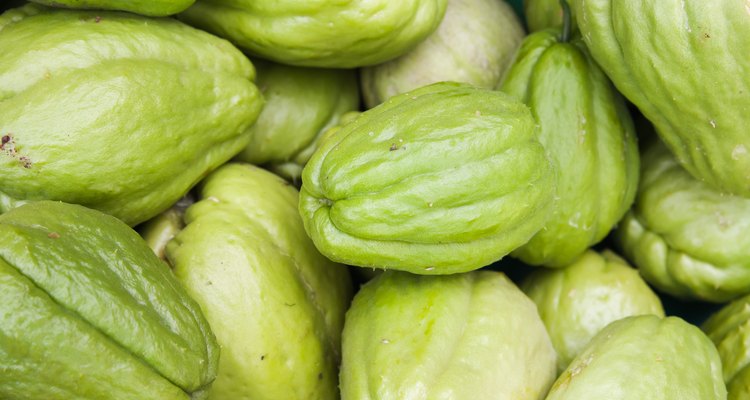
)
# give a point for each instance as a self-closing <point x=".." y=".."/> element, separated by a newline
<point x="447" y="178"/>
<point x="275" y="303"/>
<point x="320" y="33"/>
<point x="684" y="64"/>
<point x="469" y="336"/>
<point x="88" y="312"/>
<point x="588" y="133"/>
<point x="301" y="104"/>
<point x="686" y="238"/>
<point x="478" y="52"/>
<point x="728" y="329"/>
<point x="644" y="357"/>
<point x="544" y="14"/>
<point x="578" y="301"/>
<point x="154" y="8"/>
<point x="114" y="111"/>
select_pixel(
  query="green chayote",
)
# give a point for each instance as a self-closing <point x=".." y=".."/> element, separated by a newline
<point x="544" y="14"/>
<point x="301" y="104"/>
<point x="644" y="357"/>
<point x="274" y="302"/>
<point x="588" y="133"/>
<point x="728" y="329"/>
<point x="87" y="311"/>
<point x="477" y="53"/>
<point x="686" y="238"/>
<point x="579" y="300"/>
<point x="470" y="336"/>
<point x="446" y="178"/>
<point x="115" y="111"/>
<point x="320" y="33"/>
<point x="684" y="64"/>
<point x="155" y="8"/>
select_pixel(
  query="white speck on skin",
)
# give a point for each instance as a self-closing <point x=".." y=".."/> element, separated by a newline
<point x="713" y="123"/>
<point x="384" y="341"/>
<point x="739" y="151"/>
<point x="213" y="199"/>
<point x="371" y="133"/>
<point x="477" y="113"/>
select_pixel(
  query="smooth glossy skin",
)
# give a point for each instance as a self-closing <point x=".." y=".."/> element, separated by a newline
<point x="728" y="329"/>
<point x="275" y="303"/>
<point x="470" y="336"/>
<point x="153" y="8"/>
<point x="320" y="33"/>
<point x="447" y="178"/>
<point x="87" y="311"/>
<point x="579" y="300"/>
<point x="301" y="104"/>
<point x="684" y="64"/>
<point x="644" y="357"/>
<point x="588" y="133"/>
<point x="474" y="43"/>
<point x="115" y="111"/>
<point x="686" y="238"/>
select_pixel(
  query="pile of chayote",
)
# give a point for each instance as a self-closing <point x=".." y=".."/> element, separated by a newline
<point x="374" y="200"/>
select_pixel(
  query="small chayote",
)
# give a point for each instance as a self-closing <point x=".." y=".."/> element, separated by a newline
<point x="644" y="357"/>
<point x="87" y="311"/>
<point x="116" y="111"/>
<point x="274" y="302"/>
<point x="686" y="238"/>
<point x="544" y="14"/>
<point x="728" y="329"/>
<point x="154" y="8"/>
<point x="684" y="64"/>
<point x="301" y="104"/>
<point x="579" y="300"/>
<point x="320" y="33"/>
<point x="589" y="135"/>
<point x="446" y="178"/>
<point x="470" y="336"/>
<point x="474" y="43"/>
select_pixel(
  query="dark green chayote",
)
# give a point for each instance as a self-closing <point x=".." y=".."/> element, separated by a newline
<point x="87" y="311"/>
<point x="446" y="178"/>
<point x="544" y="14"/>
<point x="154" y="8"/>
<point x="728" y="329"/>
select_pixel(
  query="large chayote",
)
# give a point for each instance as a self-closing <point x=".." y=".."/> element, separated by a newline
<point x="274" y="302"/>
<point x="686" y="238"/>
<point x="728" y="329"/>
<point x="588" y="133"/>
<point x="471" y="336"/>
<point x="88" y="312"/>
<point x="476" y="52"/>
<point x="579" y="300"/>
<point x="446" y="178"/>
<point x="156" y="8"/>
<point x="320" y="33"/>
<point x="684" y="64"/>
<point x="115" y="111"/>
<point x="301" y="104"/>
<point x="644" y="357"/>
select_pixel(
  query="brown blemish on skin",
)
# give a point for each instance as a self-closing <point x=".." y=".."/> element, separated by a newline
<point x="53" y="235"/>
<point x="25" y="161"/>
<point x="97" y="19"/>
<point x="394" y="147"/>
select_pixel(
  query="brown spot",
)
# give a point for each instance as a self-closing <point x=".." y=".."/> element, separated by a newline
<point x="5" y="139"/>
<point x="706" y="35"/>
<point x="97" y="19"/>
<point x="262" y="357"/>
<point x="25" y="161"/>
<point x="394" y="147"/>
<point x="53" y="235"/>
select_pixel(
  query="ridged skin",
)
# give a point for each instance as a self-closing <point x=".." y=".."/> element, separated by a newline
<point x="588" y="133"/>
<point x="274" y="302"/>
<point x="478" y="52"/>
<point x="686" y="238"/>
<point x="320" y="33"/>
<point x="728" y="329"/>
<point x="115" y="111"/>
<point x="447" y="178"/>
<point x="88" y="312"/>
<point x="684" y="64"/>
<point x="579" y="300"/>
<point x="153" y="8"/>
<point x="471" y="336"/>
<point x="644" y="357"/>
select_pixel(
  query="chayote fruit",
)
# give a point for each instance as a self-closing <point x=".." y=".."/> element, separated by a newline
<point x="644" y="357"/>
<point x="274" y="302"/>
<point x="447" y="178"/>
<point x="544" y="14"/>
<point x="588" y="133"/>
<point x="469" y="336"/>
<point x="728" y="329"/>
<point x="114" y="111"/>
<point x="88" y="312"/>
<point x="155" y="8"/>
<point x="301" y="104"/>
<point x="478" y="52"/>
<point x="320" y="33"/>
<point x="686" y="238"/>
<point x="684" y="64"/>
<point x="578" y="301"/>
